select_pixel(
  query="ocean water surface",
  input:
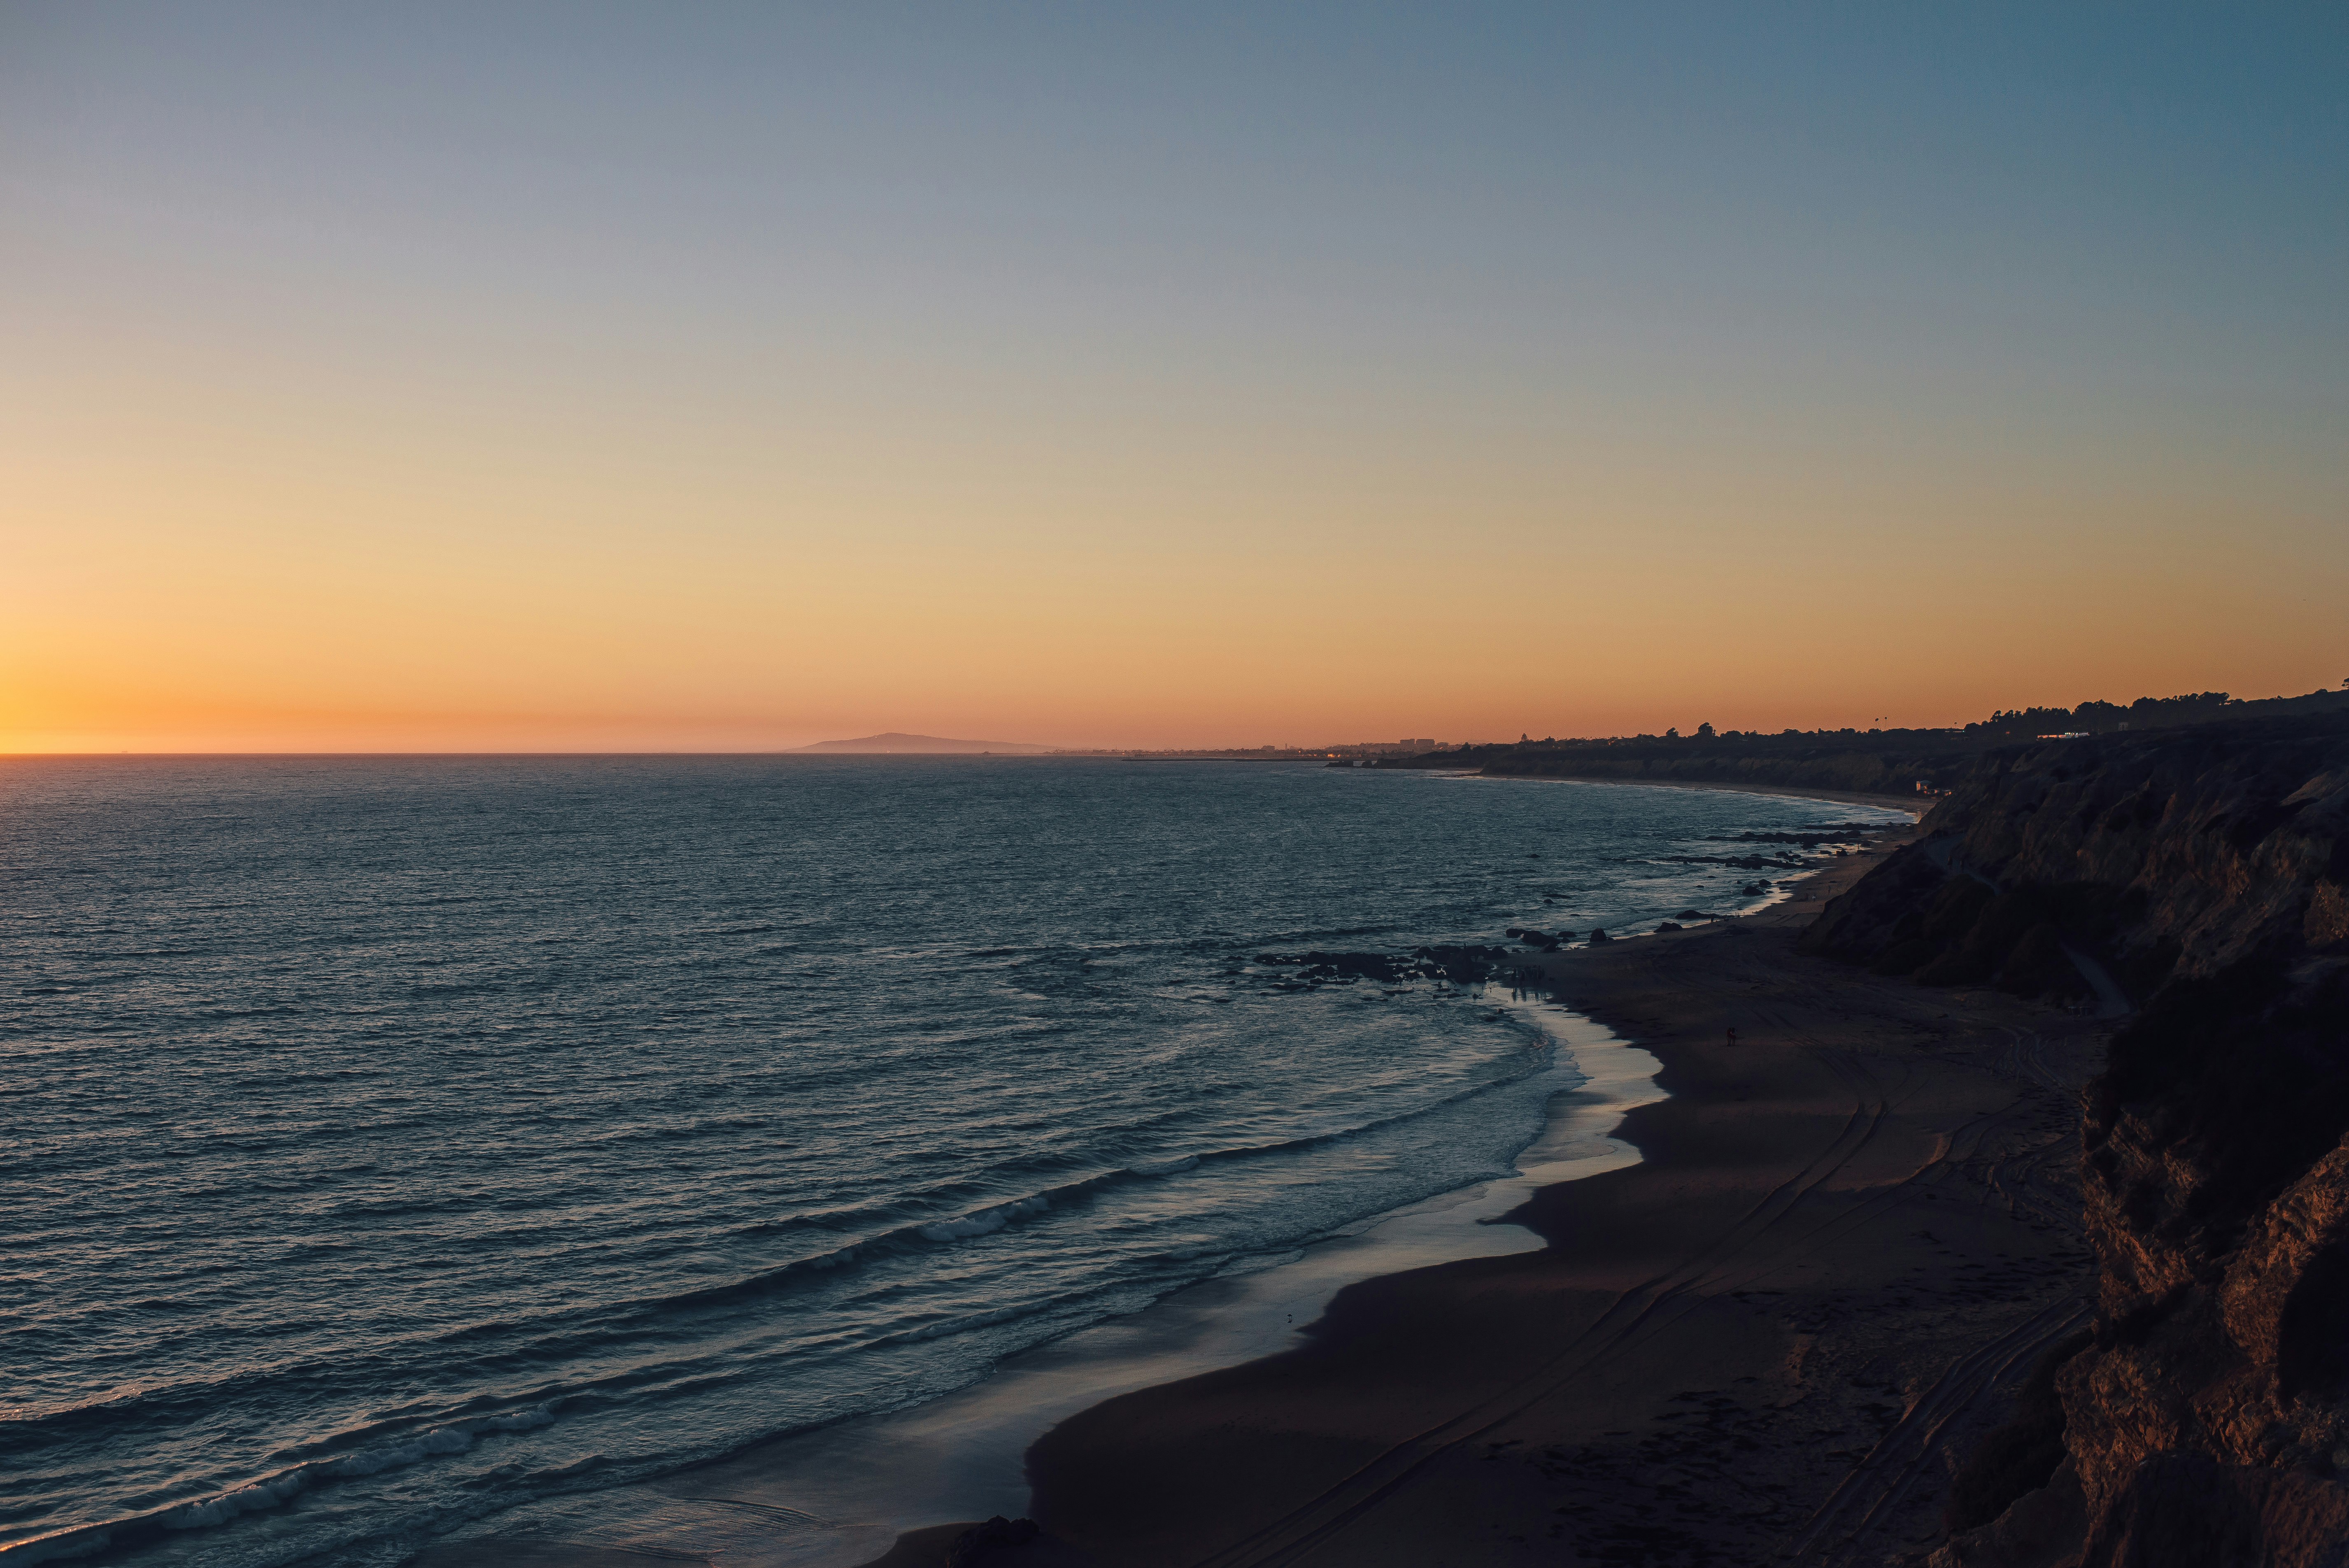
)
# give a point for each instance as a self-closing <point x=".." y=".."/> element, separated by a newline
<point x="390" y="1142"/>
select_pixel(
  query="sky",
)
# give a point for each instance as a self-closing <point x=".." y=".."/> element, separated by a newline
<point x="729" y="378"/>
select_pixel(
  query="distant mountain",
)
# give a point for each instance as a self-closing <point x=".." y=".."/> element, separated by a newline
<point x="934" y="745"/>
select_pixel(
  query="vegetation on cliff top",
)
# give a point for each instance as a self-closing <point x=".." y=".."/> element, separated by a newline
<point x="1863" y="761"/>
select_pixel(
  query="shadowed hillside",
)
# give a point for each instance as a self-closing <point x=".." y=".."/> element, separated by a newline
<point x="1872" y="761"/>
<point x="2206" y="868"/>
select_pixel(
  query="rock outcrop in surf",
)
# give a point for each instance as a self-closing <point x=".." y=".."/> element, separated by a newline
<point x="1462" y="965"/>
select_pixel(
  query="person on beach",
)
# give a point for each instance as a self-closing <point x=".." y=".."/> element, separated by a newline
<point x="1733" y="1036"/>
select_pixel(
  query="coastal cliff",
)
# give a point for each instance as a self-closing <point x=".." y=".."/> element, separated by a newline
<point x="1892" y="762"/>
<point x="2205" y="872"/>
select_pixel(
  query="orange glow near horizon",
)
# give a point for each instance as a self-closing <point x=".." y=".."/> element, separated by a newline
<point x="168" y="627"/>
<point x="234" y="578"/>
<point x="628" y="401"/>
<point x="287" y="599"/>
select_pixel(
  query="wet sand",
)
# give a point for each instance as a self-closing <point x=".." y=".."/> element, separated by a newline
<point x="1914" y="803"/>
<point x="1771" y="1340"/>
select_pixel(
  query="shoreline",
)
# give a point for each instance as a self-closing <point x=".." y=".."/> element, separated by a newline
<point x="811" y="1499"/>
<point x="1771" y="1338"/>
<point x="1916" y="806"/>
<point x="871" y="1489"/>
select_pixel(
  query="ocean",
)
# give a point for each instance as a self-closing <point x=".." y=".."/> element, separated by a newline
<point x="392" y="1143"/>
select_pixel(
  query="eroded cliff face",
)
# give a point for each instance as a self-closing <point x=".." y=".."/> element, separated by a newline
<point x="2207" y="1421"/>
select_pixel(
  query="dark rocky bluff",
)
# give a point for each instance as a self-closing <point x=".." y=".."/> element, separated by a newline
<point x="2206" y="1421"/>
<point x="981" y="1541"/>
<point x="1873" y="762"/>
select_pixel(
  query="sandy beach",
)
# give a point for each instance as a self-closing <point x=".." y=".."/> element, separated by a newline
<point x="1917" y="804"/>
<point x="1849" y="1238"/>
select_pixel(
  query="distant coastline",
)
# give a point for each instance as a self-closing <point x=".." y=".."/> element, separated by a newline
<point x="895" y="743"/>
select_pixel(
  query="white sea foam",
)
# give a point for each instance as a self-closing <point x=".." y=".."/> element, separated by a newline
<point x="250" y="1498"/>
<point x="986" y="1221"/>
<point x="527" y="1420"/>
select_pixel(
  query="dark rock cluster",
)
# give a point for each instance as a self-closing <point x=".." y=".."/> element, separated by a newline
<point x="1462" y="965"/>
<point x="1810" y="839"/>
<point x="1779" y="862"/>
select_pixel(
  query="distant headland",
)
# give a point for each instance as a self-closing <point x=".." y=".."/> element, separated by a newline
<point x="896" y="744"/>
